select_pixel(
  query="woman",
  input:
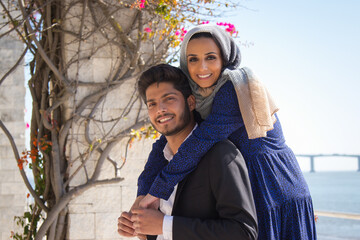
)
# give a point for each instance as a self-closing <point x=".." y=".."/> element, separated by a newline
<point x="236" y="106"/>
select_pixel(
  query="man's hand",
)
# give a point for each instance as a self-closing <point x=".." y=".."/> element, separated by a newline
<point x="150" y="201"/>
<point x="147" y="221"/>
<point x="126" y="226"/>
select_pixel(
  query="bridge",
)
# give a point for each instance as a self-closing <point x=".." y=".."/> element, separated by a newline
<point x="313" y="156"/>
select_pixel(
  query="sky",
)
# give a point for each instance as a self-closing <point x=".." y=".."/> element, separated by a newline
<point x="307" y="54"/>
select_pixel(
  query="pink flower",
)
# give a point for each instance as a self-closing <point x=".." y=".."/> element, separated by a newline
<point x="141" y="5"/>
<point x="177" y="33"/>
<point x="181" y="39"/>
<point x="27" y="125"/>
<point x="147" y="29"/>
<point x="143" y="1"/>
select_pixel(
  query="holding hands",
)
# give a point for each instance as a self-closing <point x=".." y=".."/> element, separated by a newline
<point x="140" y="221"/>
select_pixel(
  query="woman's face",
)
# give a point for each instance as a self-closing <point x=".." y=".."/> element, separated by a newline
<point x="204" y="61"/>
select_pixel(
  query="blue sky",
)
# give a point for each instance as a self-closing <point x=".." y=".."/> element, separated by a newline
<point x="307" y="54"/>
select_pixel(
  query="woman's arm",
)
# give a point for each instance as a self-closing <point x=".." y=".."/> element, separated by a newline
<point x="156" y="162"/>
<point x="224" y="119"/>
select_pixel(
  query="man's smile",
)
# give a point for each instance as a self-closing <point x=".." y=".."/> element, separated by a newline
<point x="165" y="118"/>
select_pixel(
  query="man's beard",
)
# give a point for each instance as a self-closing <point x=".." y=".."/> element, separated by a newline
<point x="184" y="121"/>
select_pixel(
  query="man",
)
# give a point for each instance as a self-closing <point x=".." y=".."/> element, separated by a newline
<point x="214" y="201"/>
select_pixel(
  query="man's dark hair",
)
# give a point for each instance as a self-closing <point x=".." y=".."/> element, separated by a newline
<point x="164" y="73"/>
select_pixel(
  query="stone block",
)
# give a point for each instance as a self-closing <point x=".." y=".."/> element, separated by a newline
<point x="7" y="223"/>
<point x="81" y="175"/>
<point x="102" y="69"/>
<point x="10" y="115"/>
<point x="119" y="97"/>
<point x="106" y="225"/>
<point x="81" y="226"/>
<point x="16" y="126"/>
<point x="75" y="208"/>
<point x="108" y="199"/>
<point x="12" y="97"/>
<point x="12" y="200"/>
<point x="7" y="163"/>
<point x="128" y="194"/>
<point x="81" y="71"/>
<point x="12" y="188"/>
<point x="7" y="175"/>
<point x="6" y="200"/>
<point x="10" y="79"/>
<point x="85" y="198"/>
<point x="15" y="78"/>
<point x="6" y="152"/>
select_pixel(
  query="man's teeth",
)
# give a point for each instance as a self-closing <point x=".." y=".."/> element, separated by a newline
<point x="164" y="119"/>
<point x="204" y="76"/>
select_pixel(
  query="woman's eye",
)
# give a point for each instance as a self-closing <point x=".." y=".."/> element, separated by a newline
<point x="211" y="57"/>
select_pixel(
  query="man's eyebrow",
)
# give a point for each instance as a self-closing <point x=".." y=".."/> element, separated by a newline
<point x="164" y="95"/>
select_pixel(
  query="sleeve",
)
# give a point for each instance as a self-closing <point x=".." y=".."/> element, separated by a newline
<point x="231" y="187"/>
<point x="223" y="120"/>
<point x="153" y="166"/>
<point x="168" y="227"/>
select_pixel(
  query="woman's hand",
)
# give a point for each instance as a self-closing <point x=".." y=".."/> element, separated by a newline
<point x="137" y="202"/>
<point x="149" y="201"/>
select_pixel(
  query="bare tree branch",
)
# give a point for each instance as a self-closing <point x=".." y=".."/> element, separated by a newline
<point x="22" y="172"/>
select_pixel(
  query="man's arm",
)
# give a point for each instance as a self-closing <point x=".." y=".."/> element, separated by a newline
<point x="235" y="206"/>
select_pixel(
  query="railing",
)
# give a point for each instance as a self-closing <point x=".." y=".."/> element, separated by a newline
<point x="313" y="156"/>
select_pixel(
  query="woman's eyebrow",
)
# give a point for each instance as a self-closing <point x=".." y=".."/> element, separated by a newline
<point x="210" y="53"/>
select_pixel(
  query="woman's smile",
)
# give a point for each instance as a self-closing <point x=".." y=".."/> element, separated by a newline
<point x="204" y="61"/>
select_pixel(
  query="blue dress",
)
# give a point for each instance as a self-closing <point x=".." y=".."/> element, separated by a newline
<point x="282" y="198"/>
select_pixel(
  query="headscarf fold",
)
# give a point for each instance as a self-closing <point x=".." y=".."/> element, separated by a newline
<point x="256" y="105"/>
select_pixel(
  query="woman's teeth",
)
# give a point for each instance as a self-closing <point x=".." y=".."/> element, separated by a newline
<point x="204" y="76"/>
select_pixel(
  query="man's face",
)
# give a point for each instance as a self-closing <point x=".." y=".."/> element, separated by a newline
<point x="168" y="111"/>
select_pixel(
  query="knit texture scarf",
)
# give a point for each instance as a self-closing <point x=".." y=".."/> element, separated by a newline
<point x="256" y="105"/>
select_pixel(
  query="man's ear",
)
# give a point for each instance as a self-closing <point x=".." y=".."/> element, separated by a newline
<point x="191" y="102"/>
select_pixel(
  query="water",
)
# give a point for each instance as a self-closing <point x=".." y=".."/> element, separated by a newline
<point x="336" y="192"/>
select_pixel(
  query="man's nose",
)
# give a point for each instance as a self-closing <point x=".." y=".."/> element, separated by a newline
<point x="161" y="107"/>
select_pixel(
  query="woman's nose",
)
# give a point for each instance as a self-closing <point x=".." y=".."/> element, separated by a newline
<point x="203" y="64"/>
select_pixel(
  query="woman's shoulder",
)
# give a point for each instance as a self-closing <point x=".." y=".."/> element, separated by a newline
<point x="226" y="90"/>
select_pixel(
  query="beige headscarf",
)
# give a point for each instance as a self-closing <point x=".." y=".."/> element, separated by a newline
<point x="256" y="105"/>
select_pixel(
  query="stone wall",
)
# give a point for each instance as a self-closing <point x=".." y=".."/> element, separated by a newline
<point x="12" y="105"/>
<point x="93" y="215"/>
